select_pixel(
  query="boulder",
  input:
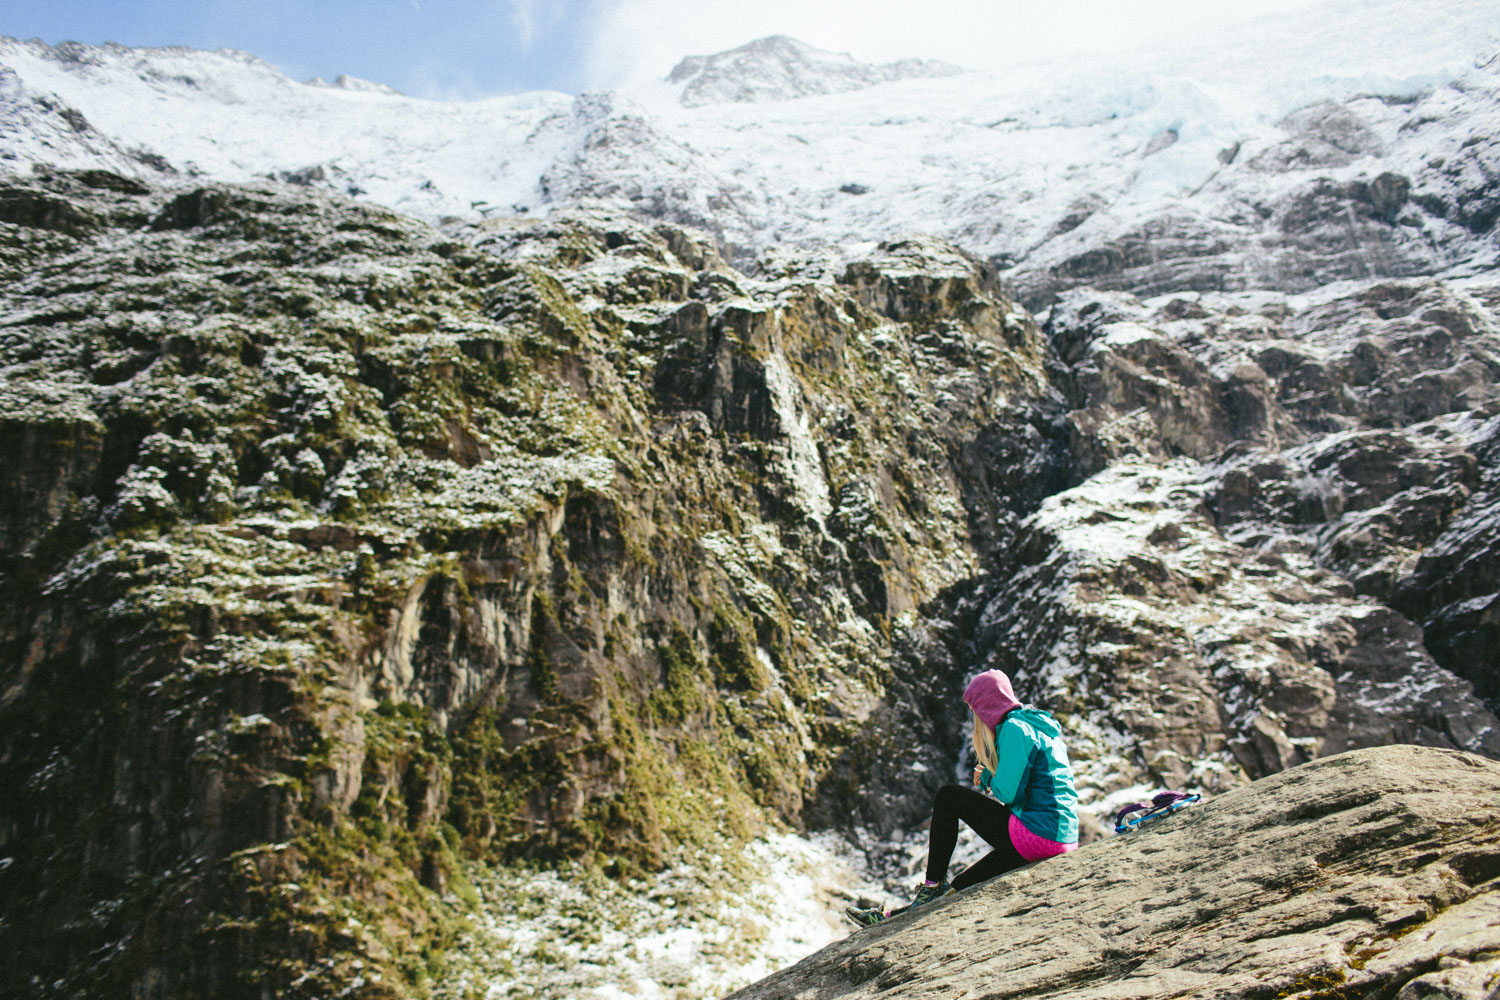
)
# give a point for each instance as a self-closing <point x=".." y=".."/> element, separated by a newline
<point x="1372" y="873"/>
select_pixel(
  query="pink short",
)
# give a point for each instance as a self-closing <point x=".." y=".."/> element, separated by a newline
<point x="1034" y="848"/>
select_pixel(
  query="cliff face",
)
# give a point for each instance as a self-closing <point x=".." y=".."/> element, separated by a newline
<point x="1373" y="873"/>
<point x="338" y="550"/>
<point x="1283" y="494"/>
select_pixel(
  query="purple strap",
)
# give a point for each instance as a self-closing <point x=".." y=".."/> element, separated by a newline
<point x="1133" y="807"/>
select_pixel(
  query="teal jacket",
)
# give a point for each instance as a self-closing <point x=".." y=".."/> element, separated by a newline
<point x="1034" y="777"/>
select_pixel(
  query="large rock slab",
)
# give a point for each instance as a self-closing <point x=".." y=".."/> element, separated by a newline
<point x="1372" y="873"/>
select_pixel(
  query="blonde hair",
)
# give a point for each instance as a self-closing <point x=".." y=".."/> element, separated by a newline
<point x="984" y="745"/>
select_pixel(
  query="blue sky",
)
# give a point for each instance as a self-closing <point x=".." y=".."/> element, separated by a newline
<point x="429" y="48"/>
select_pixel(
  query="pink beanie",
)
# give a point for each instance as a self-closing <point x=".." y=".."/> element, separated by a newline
<point x="990" y="696"/>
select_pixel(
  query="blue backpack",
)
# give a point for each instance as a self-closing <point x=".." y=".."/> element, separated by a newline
<point x="1162" y="804"/>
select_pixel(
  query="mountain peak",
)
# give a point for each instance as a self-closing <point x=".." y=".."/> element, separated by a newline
<point x="782" y="68"/>
<point x="353" y="83"/>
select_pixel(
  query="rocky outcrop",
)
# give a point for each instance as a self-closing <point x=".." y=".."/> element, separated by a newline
<point x="338" y="551"/>
<point x="1362" y="188"/>
<point x="1173" y="650"/>
<point x="1280" y="482"/>
<point x="1373" y="873"/>
<point x="1320" y="232"/>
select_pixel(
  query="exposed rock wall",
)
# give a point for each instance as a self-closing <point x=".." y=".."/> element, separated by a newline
<point x="337" y="550"/>
<point x="1276" y="483"/>
<point x="1372" y="873"/>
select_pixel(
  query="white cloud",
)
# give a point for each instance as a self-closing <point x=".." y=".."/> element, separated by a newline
<point x="530" y="19"/>
<point x="523" y="19"/>
<point x="633" y="40"/>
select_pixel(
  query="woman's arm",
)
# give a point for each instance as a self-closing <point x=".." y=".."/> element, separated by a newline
<point x="1013" y="745"/>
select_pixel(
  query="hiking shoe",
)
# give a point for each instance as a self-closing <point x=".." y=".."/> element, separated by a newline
<point x="865" y="917"/>
<point x="927" y="893"/>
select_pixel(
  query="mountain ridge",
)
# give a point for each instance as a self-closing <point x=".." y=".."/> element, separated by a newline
<point x="1145" y="182"/>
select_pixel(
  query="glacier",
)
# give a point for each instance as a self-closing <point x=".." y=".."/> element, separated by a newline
<point x="1340" y="141"/>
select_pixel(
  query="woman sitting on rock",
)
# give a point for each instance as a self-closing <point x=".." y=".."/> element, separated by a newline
<point x="1034" y="812"/>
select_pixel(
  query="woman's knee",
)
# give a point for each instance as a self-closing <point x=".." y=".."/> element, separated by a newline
<point x="949" y="796"/>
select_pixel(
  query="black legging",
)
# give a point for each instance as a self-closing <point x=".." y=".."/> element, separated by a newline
<point x="988" y="817"/>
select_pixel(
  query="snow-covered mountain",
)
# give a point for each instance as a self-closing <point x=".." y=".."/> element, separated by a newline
<point x="1355" y="153"/>
<point x="779" y="68"/>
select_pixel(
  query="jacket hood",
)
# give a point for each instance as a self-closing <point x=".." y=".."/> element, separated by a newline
<point x="990" y="696"/>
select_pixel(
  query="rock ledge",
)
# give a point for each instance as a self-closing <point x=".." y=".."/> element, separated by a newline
<point x="1370" y="874"/>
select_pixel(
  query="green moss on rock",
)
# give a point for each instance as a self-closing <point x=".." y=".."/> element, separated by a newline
<point x="352" y="556"/>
